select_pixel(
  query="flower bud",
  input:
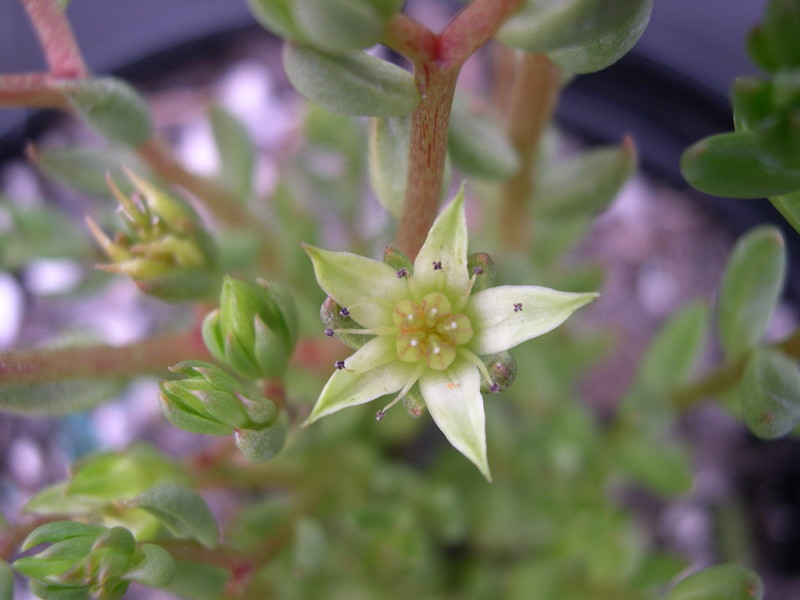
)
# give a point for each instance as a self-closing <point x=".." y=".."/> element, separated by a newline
<point x="262" y="444"/>
<point x="211" y="402"/>
<point x="414" y="402"/>
<point x="334" y="319"/>
<point x="254" y="330"/>
<point x="482" y="266"/>
<point x="502" y="371"/>
<point x="165" y="250"/>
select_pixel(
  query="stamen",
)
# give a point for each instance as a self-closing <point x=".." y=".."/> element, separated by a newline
<point x="477" y="270"/>
<point x="437" y="265"/>
<point x="462" y="302"/>
<point x="475" y="360"/>
<point x="402" y="273"/>
<point x="411" y="381"/>
<point x="339" y="364"/>
<point x="344" y="312"/>
<point x="329" y="332"/>
<point x="494" y="388"/>
<point x="517" y="306"/>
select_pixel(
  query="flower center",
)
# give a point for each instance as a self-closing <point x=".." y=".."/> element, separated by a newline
<point x="429" y="331"/>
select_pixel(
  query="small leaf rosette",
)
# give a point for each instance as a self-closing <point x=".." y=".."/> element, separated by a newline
<point x="430" y="327"/>
<point x="82" y="560"/>
<point x="165" y="250"/>
<point x="211" y="402"/>
<point x="255" y="328"/>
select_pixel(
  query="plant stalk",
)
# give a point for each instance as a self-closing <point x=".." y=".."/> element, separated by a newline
<point x="56" y="38"/>
<point x="30" y="90"/>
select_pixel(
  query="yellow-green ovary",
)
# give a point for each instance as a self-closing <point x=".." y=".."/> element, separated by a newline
<point x="428" y="330"/>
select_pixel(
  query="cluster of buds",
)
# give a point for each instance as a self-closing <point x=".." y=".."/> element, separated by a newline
<point x="83" y="560"/>
<point x="165" y="248"/>
<point x="211" y="402"/>
<point x="254" y="330"/>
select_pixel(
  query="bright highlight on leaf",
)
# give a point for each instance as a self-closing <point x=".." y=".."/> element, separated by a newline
<point x="430" y="329"/>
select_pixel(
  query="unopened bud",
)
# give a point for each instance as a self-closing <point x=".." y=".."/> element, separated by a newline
<point x="482" y="267"/>
<point x="414" y="403"/>
<point x="255" y="329"/>
<point x="502" y="371"/>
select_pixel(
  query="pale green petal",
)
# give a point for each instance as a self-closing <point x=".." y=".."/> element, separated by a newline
<point x="356" y="282"/>
<point x="454" y="400"/>
<point x="505" y="316"/>
<point x="371" y="372"/>
<point x="446" y="243"/>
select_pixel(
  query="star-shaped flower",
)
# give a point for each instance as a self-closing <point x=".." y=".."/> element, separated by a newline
<point x="429" y="328"/>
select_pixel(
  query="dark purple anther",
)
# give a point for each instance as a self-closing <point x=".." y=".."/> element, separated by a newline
<point x="518" y="307"/>
<point x="329" y="332"/>
<point x="344" y="312"/>
<point x="401" y="273"/>
<point x="437" y="265"/>
<point x="339" y="364"/>
<point x="477" y="270"/>
<point x="494" y="388"/>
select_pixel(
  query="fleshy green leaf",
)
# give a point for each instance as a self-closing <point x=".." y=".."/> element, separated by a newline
<point x="57" y="398"/>
<point x="446" y="244"/>
<point x="198" y="581"/>
<point x="259" y="445"/>
<point x="771" y="394"/>
<point x="722" y="582"/>
<point x="550" y="25"/>
<point x="58" y="531"/>
<point x="276" y="16"/>
<point x="352" y="84"/>
<point x="586" y="184"/>
<point x="752" y="102"/>
<point x="750" y="289"/>
<point x="773" y="44"/>
<point x="480" y="147"/>
<point x="339" y="27"/>
<point x="732" y="165"/>
<point x="181" y="510"/>
<point x="59" y="592"/>
<point x="388" y="161"/>
<point x="156" y="569"/>
<point x="789" y="206"/>
<point x="508" y="315"/>
<point x="355" y="282"/>
<point x="237" y="154"/>
<point x="110" y="106"/>
<point x="609" y="46"/>
<point x="453" y="398"/>
<point x="359" y="384"/>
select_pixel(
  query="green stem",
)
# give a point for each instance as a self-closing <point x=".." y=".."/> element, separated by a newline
<point x="533" y="98"/>
<point x="727" y="376"/>
<point x="58" y="42"/>
<point x="147" y="356"/>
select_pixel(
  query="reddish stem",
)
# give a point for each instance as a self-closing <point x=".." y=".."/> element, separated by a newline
<point x="58" y="42"/>
<point x="473" y="27"/>
<point x="150" y="355"/>
<point x="411" y="39"/>
<point x="30" y="90"/>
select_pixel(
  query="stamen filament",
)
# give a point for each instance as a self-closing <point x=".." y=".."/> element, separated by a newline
<point x="372" y="331"/>
<point x="475" y="360"/>
<point x="462" y="301"/>
<point x="411" y="381"/>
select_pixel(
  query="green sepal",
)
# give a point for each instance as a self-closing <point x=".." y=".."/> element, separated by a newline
<point x="770" y="394"/>
<point x="502" y="370"/>
<point x="733" y="165"/>
<point x="731" y="582"/>
<point x="481" y="265"/>
<point x="478" y="146"/>
<point x="351" y="84"/>
<point x="258" y="445"/>
<point x="111" y="107"/>
<point x="750" y="289"/>
<point x="182" y="510"/>
<point x="331" y="317"/>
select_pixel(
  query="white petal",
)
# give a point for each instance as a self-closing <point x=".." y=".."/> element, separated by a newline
<point x="350" y="388"/>
<point x="454" y="400"/>
<point x="505" y="316"/>
<point x="446" y="243"/>
<point x="356" y="282"/>
<point x="377" y="352"/>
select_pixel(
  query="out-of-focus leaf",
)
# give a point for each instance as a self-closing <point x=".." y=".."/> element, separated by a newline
<point x="6" y="581"/>
<point x="388" y="161"/>
<point x="779" y="136"/>
<point x="57" y="398"/>
<point x="237" y="155"/>
<point x="55" y="499"/>
<point x="662" y="466"/>
<point x="750" y="289"/>
<point x="675" y="350"/>
<point x="771" y="394"/>
<point x="156" y="569"/>
<point x="789" y="206"/>
<point x="181" y="510"/>
<point x="341" y="26"/>
<point x="752" y="102"/>
<point x="585" y="185"/>
<point x="606" y="49"/>
<point x="86" y="168"/>
<point x="733" y="165"/>
<point x="351" y="84"/>
<point x="121" y="475"/>
<point x="722" y="582"/>
<point x="775" y="43"/>
<point x="198" y="581"/>
<point x="550" y="25"/>
<point x="276" y="16"/>
<point x="111" y="107"/>
<point x="479" y="146"/>
<point x="310" y="546"/>
<point x="58" y="531"/>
